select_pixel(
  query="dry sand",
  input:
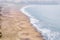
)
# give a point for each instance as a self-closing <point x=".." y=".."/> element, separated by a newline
<point x="16" y="26"/>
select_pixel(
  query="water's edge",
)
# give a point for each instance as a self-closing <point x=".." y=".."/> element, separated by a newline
<point x="47" y="33"/>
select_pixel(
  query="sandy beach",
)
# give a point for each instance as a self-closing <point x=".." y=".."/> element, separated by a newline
<point x="16" y="26"/>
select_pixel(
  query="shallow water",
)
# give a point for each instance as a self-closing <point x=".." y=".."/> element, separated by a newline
<point x="46" y="18"/>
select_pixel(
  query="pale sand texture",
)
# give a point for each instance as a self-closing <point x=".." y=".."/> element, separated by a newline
<point x="16" y="26"/>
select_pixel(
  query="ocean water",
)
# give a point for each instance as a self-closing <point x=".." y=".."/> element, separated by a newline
<point x="46" y="18"/>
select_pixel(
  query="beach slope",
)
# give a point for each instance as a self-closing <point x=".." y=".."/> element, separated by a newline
<point x="16" y="26"/>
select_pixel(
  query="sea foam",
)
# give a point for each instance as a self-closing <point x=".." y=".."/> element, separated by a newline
<point x="47" y="33"/>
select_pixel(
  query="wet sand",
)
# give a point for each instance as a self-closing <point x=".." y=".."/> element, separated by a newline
<point x="16" y="26"/>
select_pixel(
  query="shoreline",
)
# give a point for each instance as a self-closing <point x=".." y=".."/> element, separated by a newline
<point x="32" y="19"/>
<point x="16" y="26"/>
<point x="48" y="34"/>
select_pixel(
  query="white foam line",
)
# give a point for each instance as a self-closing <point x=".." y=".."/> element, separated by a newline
<point x="23" y="10"/>
<point x="44" y="31"/>
<point x="32" y="19"/>
<point x="29" y="15"/>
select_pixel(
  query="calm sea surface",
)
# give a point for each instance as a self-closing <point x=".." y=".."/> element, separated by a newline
<point x="47" y="19"/>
